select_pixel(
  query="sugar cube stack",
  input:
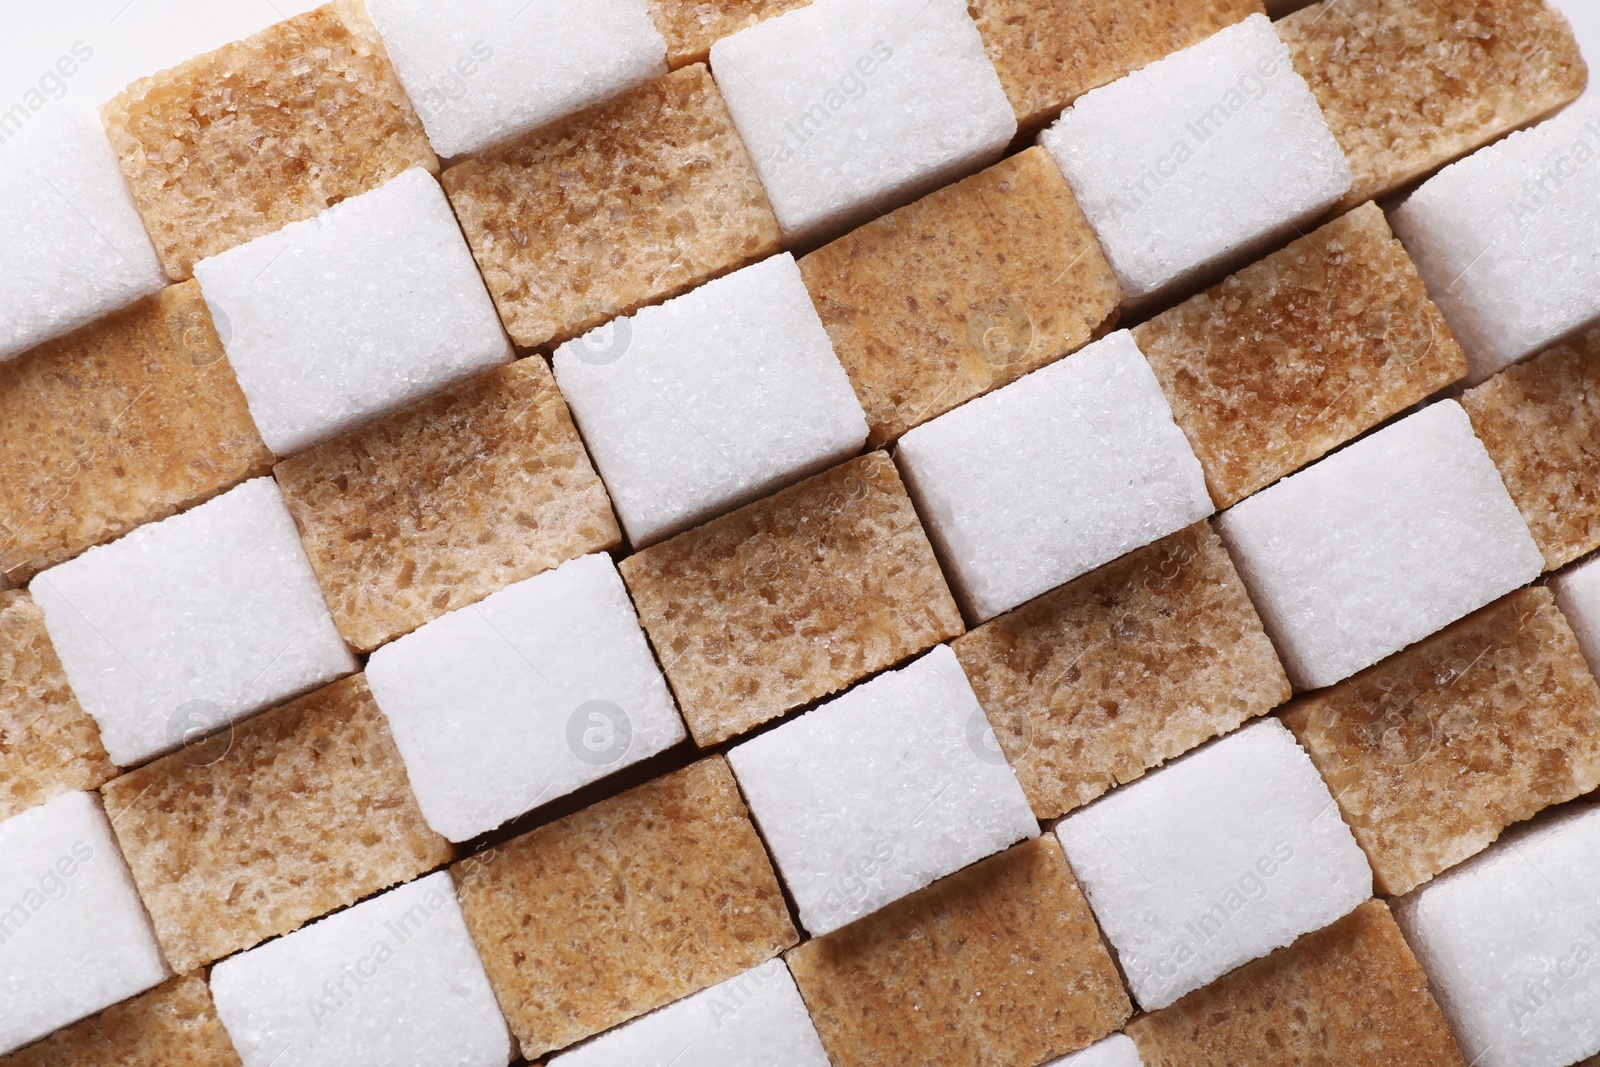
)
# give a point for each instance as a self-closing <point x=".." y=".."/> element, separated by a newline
<point x="393" y="980"/>
<point x="173" y="1024"/>
<point x="360" y="311"/>
<point x="1118" y="1050"/>
<point x="853" y="107"/>
<point x="74" y="938"/>
<point x="202" y="618"/>
<point x="1199" y="159"/>
<point x="1577" y="592"/>
<point x="1057" y="473"/>
<point x="1380" y="545"/>
<point x="1214" y="860"/>
<point x="692" y="26"/>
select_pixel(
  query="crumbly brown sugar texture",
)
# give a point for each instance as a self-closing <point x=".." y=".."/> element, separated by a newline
<point x="173" y="1025"/>
<point x="1435" y="751"/>
<point x="1093" y="684"/>
<point x="623" y="205"/>
<point x="442" y="504"/>
<point x="625" y="906"/>
<point x="1541" y="424"/>
<point x="261" y="828"/>
<point x="962" y="291"/>
<point x="1297" y="354"/>
<point x="48" y="744"/>
<point x="1409" y="85"/>
<point x="1351" y="993"/>
<point x="999" y="963"/>
<point x="691" y="27"/>
<point x="792" y="598"/>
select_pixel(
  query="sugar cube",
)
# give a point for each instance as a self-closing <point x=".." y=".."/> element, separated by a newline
<point x="173" y="1024"/>
<point x="1577" y="592"/>
<point x="211" y="615"/>
<point x="1199" y="159"/>
<point x="853" y="107"/>
<point x="1216" y="859"/>
<point x="393" y="980"/>
<point x="1065" y="469"/>
<point x="74" y="938"/>
<point x="692" y="26"/>
<point x="1118" y="1050"/>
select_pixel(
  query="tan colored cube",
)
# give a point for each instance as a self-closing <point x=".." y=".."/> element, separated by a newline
<point x="625" y="204"/>
<point x="1050" y="52"/>
<point x="1295" y="355"/>
<point x="1541" y="423"/>
<point x="271" y="823"/>
<point x="442" y="504"/>
<point x="1436" y="750"/>
<point x="1407" y="87"/>
<point x="625" y="906"/>
<point x="173" y="1025"/>
<point x="48" y="744"/>
<point x="1001" y="963"/>
<point x="1093" y="684"/>
<point x="691" y="27"/>
<point x="962" y="291"/>
<point x="792" y="598"/>
<point x="1351" y="993"/>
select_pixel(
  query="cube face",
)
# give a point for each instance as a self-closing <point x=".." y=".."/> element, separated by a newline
<point x="393" y="979"/>
<point x="1118" y="1050"/>
<point x="1229" y="151"/>
<point x="882" y="791"/>
<point x="1089" y="439"/>
<point x="1299" y="353"/>
<point x="435" y="507"/>
<point x="1000" y="963"/>
<point x="692" y="26"/>
<point x="791" y="598"/>
<point x="711" y="400"/>
<point x="174" y="1023"/>
<point x="208" y="615"/>
<point x="1097" y="682"/>
<point x="1577" y="591"/>
<point x="585" y="220"/>
<point x="1215" y="860"/>
<point x="623" y="907"/>
<point x="317" y="88"/>
<point x="543" y="687"/>
<point x="1379" y="545"/>
<point x="75" y="937"/>
<point x="828" y="163"/>
<point x="961" y="292"/>
<point x="360" y="311"/>
<point x="490" y="72"/>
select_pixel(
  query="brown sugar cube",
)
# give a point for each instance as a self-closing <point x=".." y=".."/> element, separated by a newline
<point x="616" y="207"/>
<point x="1407" y="87"/>
<point x="124" y="422"/>
<point x="792" y="598"/>
<point x="1541" y="424"/>
<point x="48" y="745"/>
<point x="962" y="291"/>
<point x="271" y="823"/>
<point x="691" y="27"/>
<point x="1299" y="353"/>
<point x="625" y="906"/>
<point x="438" y="506"/>
<point x="173" y="1025"/>
<point x="1351" y="993"/>
<point x="266" y="131"/>
<point x="1001" y="963"/>
<point x="1093" y="684"/>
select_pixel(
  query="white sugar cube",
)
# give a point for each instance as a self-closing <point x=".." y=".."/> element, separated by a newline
<point x="368" y="307"/>
<point x="487" y="71"/>
<point x="393" y="982"/>
<point x="852" y="107"/>
<point x="1053" y="475"/>
<point x="74" y="249"/>
<point x="881" y="791"/>
<point x="711" y="400"/>
<point x="190" y="623"/>
<point x="510" y="703"/>
<point x="1508" y="239"/>
<point x="1200" y="158"/>
<point x="1118" y="1050"/>
<point x="1214" y="860"/>
<point x="1380" y="545"/>
<point x="1577" y="592"/>
<point x="74" y="937"/>
<point x="754" y="1020"/>
<point x="1511" y="943"/>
